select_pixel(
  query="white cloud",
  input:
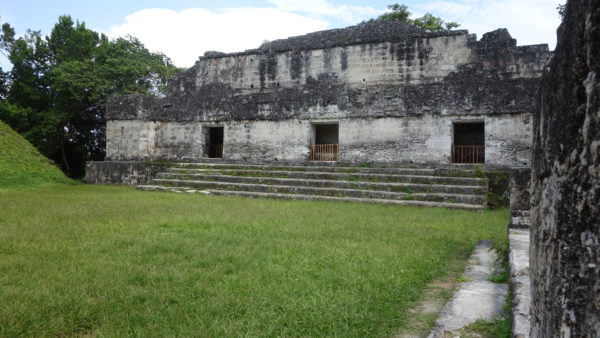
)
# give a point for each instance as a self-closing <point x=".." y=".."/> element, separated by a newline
<point x="350" y="14"/>
<point x="528" y="21"/>
<point x="185" y="35"/>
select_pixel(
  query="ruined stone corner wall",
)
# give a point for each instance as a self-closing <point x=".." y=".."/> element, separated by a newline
<point x="565" y="229"/>
<point x="132" y="107"/>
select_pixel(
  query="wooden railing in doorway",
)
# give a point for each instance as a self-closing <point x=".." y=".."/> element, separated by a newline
<point x="216" y="151"/>
<point x="468" y="154"/>
<point x="324" y="152"/>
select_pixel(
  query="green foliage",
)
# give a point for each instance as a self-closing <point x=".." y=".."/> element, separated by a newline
<point x="427" y="22"/>
<point x="501" y="273"/>
<point x="501" y="246"/>
<point x="498" y="187"/>
<point x="499" y="277"/>
<point x="431" y="23"/>
<point x="56" y="92"/>
<point x="21" y="164"/>
<point x="119" y="262"/>
<point x="463" y="279"/>
<point x="3" y="84"/>
<point x="561" y="11"/>
<point x="497" y="328"/>
<point x="479" y="171"/>
<point x="397" y="12"/>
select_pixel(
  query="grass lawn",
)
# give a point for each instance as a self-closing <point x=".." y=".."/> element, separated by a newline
<point x="112" y="261"/>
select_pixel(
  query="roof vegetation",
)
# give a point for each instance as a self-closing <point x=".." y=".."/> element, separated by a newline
<point x="427" y="22"/>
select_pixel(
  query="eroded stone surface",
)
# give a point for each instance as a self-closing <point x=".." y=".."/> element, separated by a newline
<point x="128" y="173"/>
<point x="520" y="179"/>
<point x="520" y="281"/>
<point x="393" y="90"/>
<point x="565" y="232"/>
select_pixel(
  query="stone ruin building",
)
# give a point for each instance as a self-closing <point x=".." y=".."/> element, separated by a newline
<point x="379" y="94"/>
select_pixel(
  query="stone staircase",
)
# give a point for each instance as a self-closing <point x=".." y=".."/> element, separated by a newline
<point x="450" y="187"/>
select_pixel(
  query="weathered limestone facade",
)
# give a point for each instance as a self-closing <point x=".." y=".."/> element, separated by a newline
<point x="394" y="92"/>
<point x="565" y="229"/>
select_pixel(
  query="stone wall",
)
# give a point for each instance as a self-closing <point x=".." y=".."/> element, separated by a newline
<point x="126" y="172"/>
<point x="153" y="140"/>
<point x="520" y="206"/>
<point x="565" y="242"/>
<point x="426" y="139"/>
<point x="394" y="91"/>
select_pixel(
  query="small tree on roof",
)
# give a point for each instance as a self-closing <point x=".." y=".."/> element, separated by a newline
<point x="427" y="22"/>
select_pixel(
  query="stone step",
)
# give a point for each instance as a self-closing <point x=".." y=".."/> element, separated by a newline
<point x="336" y="192"/>
<point x="334" y="168"/>
<point x="319" y="175"/>
<point x="342" y="184"/>
<point x="415" y="203"/>
<point x="217" y="160"/>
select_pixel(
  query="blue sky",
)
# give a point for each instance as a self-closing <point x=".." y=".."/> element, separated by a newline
<point x="185" y="29"/>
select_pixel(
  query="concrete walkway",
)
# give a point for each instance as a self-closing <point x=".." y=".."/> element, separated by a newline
<point x="519" y="280"/>
<point x="475" y="299"/>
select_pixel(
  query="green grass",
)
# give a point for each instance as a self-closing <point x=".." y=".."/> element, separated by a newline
<point x="497" y="328"/>
<point x="22" y="165"/>
<point x="463" y="279"/>
<point x="112" y="261"/>
<point x="499" y="277"/>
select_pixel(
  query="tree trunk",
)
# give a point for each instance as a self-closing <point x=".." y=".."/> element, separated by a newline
<point x="64" y="154"/>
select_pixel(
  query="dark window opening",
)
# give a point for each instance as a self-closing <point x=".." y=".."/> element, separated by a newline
<point x="469" y="143"/>
<point x="325" y="147"/>
<point x="214" y="144"/>
<point x="326" y="133"/>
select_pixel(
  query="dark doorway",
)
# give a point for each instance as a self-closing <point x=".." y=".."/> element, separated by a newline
<point x="469" y="143"/>
<point x="325" y="147"/>
<point x="326" y="134"/>
<point x="214" y="144"/>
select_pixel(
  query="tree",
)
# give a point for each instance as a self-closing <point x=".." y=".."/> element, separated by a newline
<point x="427" y="22"/>
<point x="59" y="85"/>
<point x="397" y="12"/>
<point x="4" y="84"/>
<point x="561" y="11"/>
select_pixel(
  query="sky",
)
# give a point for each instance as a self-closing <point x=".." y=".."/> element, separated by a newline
<point x="185" y="29"/>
